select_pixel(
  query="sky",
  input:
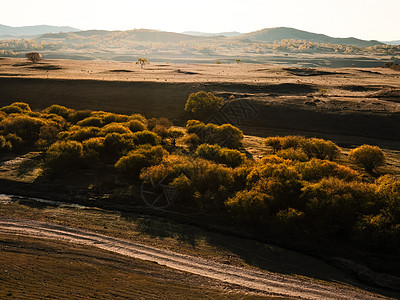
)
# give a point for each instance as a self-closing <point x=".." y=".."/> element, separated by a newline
<point x="365" y="19"/>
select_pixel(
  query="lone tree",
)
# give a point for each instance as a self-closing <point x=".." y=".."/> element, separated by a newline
<point x="202" y="103"/>
<point x="142" y="61"/>
<point x="33" y="56"/>
<point x="368" y="157"/>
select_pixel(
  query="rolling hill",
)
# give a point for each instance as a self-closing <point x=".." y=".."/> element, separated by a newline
<point x="283" y="33"/>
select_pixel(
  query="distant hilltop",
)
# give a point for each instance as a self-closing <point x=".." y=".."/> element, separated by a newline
<point x="33" y="30"/>
<point x="268" y="35"/>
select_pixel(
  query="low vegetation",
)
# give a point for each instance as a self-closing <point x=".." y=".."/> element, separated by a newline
<point x="304" y="185"/>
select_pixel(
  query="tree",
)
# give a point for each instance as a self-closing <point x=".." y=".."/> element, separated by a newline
<point x="142" y="61"/>
<point x="202" y="103"/>
<point x="33" y="57"/>
<point x="237" y="61"/>
<point x="368" y="157"/>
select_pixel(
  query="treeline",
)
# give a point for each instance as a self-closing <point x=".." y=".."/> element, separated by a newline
<point x="300" y="187"/>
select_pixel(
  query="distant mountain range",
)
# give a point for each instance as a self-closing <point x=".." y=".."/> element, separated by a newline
<point x="145" y="35"/>
<point x="33" y="30"/>
<point x="283" y="33"/>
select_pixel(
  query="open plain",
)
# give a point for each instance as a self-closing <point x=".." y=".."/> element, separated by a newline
<point x="348" y="105"/>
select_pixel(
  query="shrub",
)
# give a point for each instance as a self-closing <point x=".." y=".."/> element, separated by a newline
<point x="28" y="128"/>
<point x="116" y="145"/>
<point x="136" y="125"/>
<point x="290" y="216"/>
<point x="76" y="116"/>
<point x="291" y="141"/>
<point x="47" y="136"/>
<point x="15" y="140"/>
<point x="108" y="118"/>
<point x="161" y="131"/>
<point x="54" y="120"/>
<point x="10" y="109"/>
<point x="232" y="158"/>
<point x="5" y="145"/>
<point x="206" y="186"/>
<point x="22" y="105"/>
<point x="77" y="133"/>
<point x="175" y="134"/>
<point x="191" y="140"/>
<point x="144" y="156"/>
<point x="146" y="137"/>
<point x="93" y="149"/>
<point x="91" y="121"/>
<point x="138" y="117"/>
<point x="316" y="169"/>
<point x="114" y="127"/>
<point x="368" y="157"/>
<point x="58" y="110"/>
<point x="3" y="115"/>
<point x="16" y="108"/>
<point x="280" y="181"/>
<point x="153" y="122"/>
<point x="202" y="103"/>
<point x="274" y="143"/>
<point x="229" y="136"/>
<point x="292" y="154"/>
<point x="63" y="155"/>
<point x="250" y="206"/>
<point x="388" y="189"/>
<point x="224" y="135"/>
<point x="320" y="148"/>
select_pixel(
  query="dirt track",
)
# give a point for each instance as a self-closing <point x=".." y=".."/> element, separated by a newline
<point x="267" y="282"/>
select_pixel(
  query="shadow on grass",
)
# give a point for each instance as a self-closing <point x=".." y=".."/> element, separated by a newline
<point x="46" y="67"/>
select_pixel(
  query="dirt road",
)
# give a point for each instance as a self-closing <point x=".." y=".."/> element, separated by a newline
<point x="264" y="281"/>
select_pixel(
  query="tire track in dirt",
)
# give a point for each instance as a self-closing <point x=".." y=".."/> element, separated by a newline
<point x="263" y="281"/>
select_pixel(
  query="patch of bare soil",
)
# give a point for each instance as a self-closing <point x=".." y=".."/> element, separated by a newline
<point x="262" y="281"/>
<point x="389" y="94"/>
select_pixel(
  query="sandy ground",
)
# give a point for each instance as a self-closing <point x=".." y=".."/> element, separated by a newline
<point x="270" y="283"/>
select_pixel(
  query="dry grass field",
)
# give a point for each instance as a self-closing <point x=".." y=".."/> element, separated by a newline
<point x="348" y="105"/>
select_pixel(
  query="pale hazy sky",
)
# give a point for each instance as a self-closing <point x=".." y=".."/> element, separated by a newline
<point x="366" y="19"/>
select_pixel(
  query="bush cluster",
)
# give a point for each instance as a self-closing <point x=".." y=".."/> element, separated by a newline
<point x="297" y="188"/>
<point x="313" y="147"/>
